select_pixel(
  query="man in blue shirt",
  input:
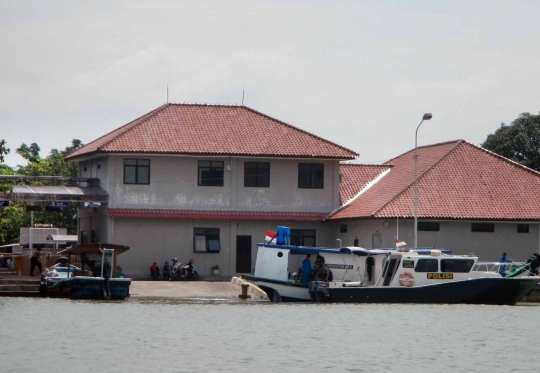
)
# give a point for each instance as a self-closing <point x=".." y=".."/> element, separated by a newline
<point x="503" y="259"/>
<point x="306" y="270"/>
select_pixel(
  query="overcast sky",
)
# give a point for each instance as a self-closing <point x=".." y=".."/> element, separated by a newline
<point x="358" y="73"/>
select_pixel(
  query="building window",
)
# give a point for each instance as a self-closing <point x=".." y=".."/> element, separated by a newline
<point x="311" y="175"/>
<point x="303" y="237"/>
<point x="206" y="240"/>
<point x="427" y="265"/>
<point x="136" y="171"/>
<point x="84" y="237"/>
<point x="428" y="226"/>
<point x="343" y="228"/>
<point x="257" y="174"/>
<point x="210" y="173"/>
<point x="95" y="236"/>
<point x="483" y="227"/>
<point x="523" y="228"/>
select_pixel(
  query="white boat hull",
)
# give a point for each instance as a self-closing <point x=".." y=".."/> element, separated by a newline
<point x="280" y="292"/>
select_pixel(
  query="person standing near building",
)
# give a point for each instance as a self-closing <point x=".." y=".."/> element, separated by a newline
<point x="35" y="261"/>
<point x="306" y="270"/>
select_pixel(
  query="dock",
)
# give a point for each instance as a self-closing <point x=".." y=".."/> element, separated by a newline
<point x="19" y="286"/>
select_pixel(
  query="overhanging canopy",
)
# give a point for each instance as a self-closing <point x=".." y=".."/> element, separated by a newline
<point x="55" y="193"/>
<point x="94" y="248"/>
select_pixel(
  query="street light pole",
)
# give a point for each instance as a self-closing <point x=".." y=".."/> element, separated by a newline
<point x="426" y="116"/>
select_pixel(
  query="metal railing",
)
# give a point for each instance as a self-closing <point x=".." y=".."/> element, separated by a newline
<point x="497" y="267"/>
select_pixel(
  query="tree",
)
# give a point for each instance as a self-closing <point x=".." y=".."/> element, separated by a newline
<point x="519" y="141"/>
<point x="15" y="216"/>
<point x="3" y="150"/>
<point x="4" y="168"/>
<point x="52" y="165"/>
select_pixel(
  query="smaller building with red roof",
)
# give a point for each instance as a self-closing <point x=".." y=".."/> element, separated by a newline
<point x="470" y="201"/>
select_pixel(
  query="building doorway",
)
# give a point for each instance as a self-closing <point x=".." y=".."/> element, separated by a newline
<point x="243" y="254"/>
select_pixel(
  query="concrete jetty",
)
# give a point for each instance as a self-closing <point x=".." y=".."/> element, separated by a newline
<point x="184" y="289"/>
<point x="13" y="285"/>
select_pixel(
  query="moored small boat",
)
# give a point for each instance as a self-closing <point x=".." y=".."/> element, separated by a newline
<point x="67" y="281"/>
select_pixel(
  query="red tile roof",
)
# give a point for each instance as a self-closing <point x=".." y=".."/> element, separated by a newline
<point x="213" y="130"/>
<point x="456" y="180"/>
<point x="355" y="177"/>
<point x="215" y="215"/>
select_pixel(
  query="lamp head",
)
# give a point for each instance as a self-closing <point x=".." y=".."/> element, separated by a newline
<point x="427" y="116"/>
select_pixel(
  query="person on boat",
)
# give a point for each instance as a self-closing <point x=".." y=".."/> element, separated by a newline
<point x="306" y="270"/>
<point x="35" y="261"/>
<point x="154" y="271"/>
<point x="322" y="273"/>
<point x="90" y="263"/>
<point x="119" y="273"/>
<point x="166" y="271"/>
<point x="503" y="259"/>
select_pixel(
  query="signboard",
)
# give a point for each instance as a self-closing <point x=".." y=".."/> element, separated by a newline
<point x="440" y="276"/>
<point x="33" y="208"/>
<point x="4" y="203"/>
<point x="60" y="204"/>
<point x="92" y="205"/>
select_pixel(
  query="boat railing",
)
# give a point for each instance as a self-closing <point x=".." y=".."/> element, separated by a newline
<point x="495" y="267"/>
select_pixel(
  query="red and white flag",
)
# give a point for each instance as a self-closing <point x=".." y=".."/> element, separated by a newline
<point x="270" y="237"/>
<point x="400" y="243"/>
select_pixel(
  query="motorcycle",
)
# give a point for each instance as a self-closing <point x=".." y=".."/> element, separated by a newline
<point x="176" y="270"/>
<point x="186" y="272"/>
<point x="190" y="272"/>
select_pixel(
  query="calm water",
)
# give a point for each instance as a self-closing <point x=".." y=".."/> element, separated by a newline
<point x="51" y="335"/>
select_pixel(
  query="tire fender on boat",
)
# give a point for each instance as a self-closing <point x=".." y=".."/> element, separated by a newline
<point x="406" y="279"/>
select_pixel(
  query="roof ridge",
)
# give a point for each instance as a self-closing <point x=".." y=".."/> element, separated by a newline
<point x="365" y="165"/>
<point x="508" y="160"/>
<point x="205" y="104"/>
<point x="301" y="130"/>
<point x="425" y="146"/>
<point x="458" y="142"/>
<point x="122" y="130"/>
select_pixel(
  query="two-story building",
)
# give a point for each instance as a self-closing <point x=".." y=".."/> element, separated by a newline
<point x="205" y="182"/>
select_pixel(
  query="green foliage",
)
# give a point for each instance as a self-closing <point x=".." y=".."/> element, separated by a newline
<point x="519" y="141"/>
<point x="11" y="219"/>
<point x="15" y="216"/>
<point x="53" y="165"/>
<point x="3" y="150"/>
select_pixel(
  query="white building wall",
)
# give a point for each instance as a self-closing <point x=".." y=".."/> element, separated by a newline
<point x="162" y="239"/>
<point x="453" y="235"/>
<point x="173" y="185"/>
